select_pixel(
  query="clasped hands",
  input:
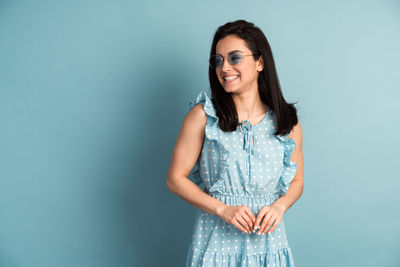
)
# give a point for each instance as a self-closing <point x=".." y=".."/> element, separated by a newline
<point x="246" y="221"/>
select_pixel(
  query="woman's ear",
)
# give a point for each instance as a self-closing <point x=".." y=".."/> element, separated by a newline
<point x="260" y="64"/>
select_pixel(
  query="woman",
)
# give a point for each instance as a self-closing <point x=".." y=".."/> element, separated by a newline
<point x="246" y="142"/>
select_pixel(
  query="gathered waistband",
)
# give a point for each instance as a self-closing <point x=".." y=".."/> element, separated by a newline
<point x="244" y="196"/>
<point x="250" y="200"/>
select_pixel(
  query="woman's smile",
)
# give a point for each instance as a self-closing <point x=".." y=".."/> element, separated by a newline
<point x="230" y="79"/>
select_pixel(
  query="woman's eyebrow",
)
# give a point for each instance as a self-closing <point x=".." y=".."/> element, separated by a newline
<point x="231" y="52"/>
<point x="235" y="51"/>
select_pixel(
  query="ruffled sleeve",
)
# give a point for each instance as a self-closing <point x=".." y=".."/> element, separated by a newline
<point x="205" y="100"/>
<point x="289" y="167"/>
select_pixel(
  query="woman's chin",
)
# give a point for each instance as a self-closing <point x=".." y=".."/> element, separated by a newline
<point x="230" y="89"/>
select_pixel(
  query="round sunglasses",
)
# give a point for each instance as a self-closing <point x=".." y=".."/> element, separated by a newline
<point x="233" y="59"/>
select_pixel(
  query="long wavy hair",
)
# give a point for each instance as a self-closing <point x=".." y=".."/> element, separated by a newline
<point x="268" y="82"/>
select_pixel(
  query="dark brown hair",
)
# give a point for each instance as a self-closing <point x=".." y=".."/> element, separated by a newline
<point x="268" y="82"/>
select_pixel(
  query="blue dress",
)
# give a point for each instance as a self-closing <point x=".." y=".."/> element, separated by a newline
<point x="250" y="166"/>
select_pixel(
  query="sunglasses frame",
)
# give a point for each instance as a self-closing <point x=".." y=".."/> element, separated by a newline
<point x="229" y="59"/>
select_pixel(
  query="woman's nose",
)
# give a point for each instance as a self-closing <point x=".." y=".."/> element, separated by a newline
<point x="225" y="65"/>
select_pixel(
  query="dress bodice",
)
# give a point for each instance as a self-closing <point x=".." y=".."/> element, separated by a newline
<point x="250" y="161"/>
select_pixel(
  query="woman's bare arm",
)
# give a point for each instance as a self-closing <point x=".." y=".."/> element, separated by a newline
<point x="296" y="185"/>
<point x="185" y="154"/>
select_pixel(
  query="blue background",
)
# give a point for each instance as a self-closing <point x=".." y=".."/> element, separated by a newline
<point x="92" y="96"/>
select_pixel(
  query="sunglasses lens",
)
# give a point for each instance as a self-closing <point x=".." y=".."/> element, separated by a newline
<point x="215" y="61"/>
<point x="234" y="58"/>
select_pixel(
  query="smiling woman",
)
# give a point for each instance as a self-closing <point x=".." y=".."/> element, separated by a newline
<point x="238" y="71"/>
<point x="246" y="143"/>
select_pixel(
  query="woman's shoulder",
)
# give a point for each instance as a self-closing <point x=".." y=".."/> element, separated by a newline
<point x="206" y="106"/>
<point x="195" y="120"/>
<point x="196" y="115"/>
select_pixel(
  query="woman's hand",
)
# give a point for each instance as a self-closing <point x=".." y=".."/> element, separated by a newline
<point x="269" y="215"/>
<point x="239" y="216"/>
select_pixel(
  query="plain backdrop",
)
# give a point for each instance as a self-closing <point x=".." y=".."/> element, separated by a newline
<point x="92" y="96"/>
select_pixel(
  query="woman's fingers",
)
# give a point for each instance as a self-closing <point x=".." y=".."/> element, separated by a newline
<point x="251" y="215"/>
<point x="248" y="219"/>
<point x="265" y="219"/>
<point x="260" y="217"/>
<point x="238" y="225"/>
<point x="268" y="217"/>
<point x="277" y="221"/>
<point x="267" y="222"/>
<point x="244" y="223"/>
<point x="245" y="218"/>
<point x="240" y="216"/>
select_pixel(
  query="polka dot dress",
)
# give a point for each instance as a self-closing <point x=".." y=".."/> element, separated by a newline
<point x="250" y="166"/>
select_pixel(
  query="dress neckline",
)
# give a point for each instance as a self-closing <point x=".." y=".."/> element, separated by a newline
<point x="255" y="125"/>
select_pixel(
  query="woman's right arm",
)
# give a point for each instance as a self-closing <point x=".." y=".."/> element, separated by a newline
<point x="187" y="149"/>
<point x="185" y="154"/>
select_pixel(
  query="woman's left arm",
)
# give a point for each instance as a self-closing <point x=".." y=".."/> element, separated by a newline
<point x="296" y="185"/>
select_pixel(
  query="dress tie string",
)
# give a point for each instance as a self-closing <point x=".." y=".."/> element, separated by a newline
<point x="247" y="128"/>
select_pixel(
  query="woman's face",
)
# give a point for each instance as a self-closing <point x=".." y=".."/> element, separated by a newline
<point x="245" y="73"/>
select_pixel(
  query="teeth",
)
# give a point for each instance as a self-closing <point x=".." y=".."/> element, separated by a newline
<point x="230" y="78"/>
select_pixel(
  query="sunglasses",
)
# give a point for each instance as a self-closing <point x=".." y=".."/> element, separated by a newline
<point x="234" y="58"/>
